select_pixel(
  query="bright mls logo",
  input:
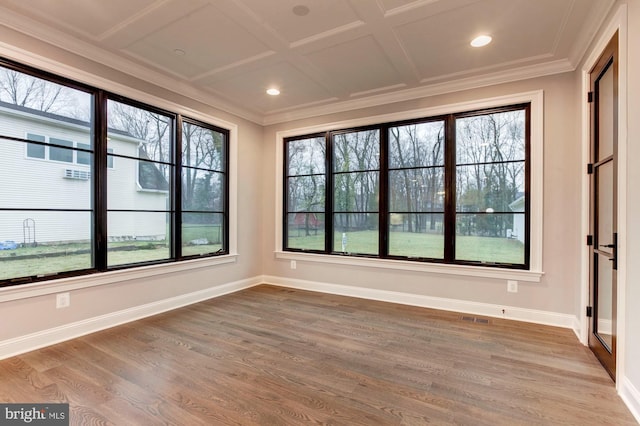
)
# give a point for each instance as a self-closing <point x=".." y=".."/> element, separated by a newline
<point x="34" y="414"/>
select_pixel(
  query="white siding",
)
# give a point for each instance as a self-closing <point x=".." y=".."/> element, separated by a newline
<point x="29" y="183"/>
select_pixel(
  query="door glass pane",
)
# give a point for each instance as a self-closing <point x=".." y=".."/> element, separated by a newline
<point x="604" y="314"/>
<point x="604" y="176"/>
<point x="605" y="114"/>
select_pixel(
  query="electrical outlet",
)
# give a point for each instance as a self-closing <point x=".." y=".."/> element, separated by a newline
<point x="63" y="300"/>
<point x="293" y="264"/>
<point x="512" y="286"/>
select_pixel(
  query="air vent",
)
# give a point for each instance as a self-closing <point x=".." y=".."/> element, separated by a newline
<point x="77" y="174"/>
<point x="475" y="319"/>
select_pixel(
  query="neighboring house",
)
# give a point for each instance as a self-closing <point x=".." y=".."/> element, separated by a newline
<point x="53" y="178"/>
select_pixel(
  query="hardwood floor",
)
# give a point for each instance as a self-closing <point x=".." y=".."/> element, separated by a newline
<point x="276" y="356"/>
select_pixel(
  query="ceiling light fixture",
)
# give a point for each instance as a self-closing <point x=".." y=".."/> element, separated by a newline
<point x="481" y="40"/>
<point x="300" y="10"/>
<point x="273" y="91"/>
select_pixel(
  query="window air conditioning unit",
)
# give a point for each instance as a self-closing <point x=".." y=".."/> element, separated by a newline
<point x="77" y="174"/>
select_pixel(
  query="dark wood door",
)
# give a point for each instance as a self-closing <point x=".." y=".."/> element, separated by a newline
<point x="603" y="214"/>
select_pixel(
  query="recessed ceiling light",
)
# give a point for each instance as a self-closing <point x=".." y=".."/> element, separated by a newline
<point x="179" y="52"/>
<point x="273" y="91"/>
<point x="481" y="40"/>
<point x="300" y="10"/>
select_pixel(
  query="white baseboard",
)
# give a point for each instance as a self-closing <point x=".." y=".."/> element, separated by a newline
<point x="30" y="342"/>
<point x="464" y="306"/>
<point x="631" y="396"/>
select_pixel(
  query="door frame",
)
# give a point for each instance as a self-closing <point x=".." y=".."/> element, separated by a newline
<point x="618" y="22"/>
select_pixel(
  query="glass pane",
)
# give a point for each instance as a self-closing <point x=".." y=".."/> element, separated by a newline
<point x="604" y="314"/>
<point x="306" y="156"/>
<point x="44" y="242"/>
<point x="149" y="133"/>
<point x="305" y="231"/>
<point x="490" y="187"/>
<point x="356" y="151"/>
<point x="60" y="154"/>
<point x="604" y="179"/>
<point x="37" y="97"/>
<point x="202" y="233"/>
<point x="126" y="191"/>
<point x="606" y="119"/>
<point x="202" y="190"/>
<point x="135" y="237"/>
<point x="356" y="192"/>
<point x="33" y="150"/>
<point x="416" y="190"/>
<point x="356" y="233"/>
<point x="306" y="194"/>
<point x="81" y="156"/>
<point x="41" y="184"/>
<point x="416" y="145"/>
<point x="491" y="137"/>
<point x="489" y="238"/>
<point x="202" y="147"/>
<point x="416" y="235"/>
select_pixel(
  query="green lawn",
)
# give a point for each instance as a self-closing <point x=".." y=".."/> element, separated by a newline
<point x="47" y="259"/>
<point x="483" y="249"/>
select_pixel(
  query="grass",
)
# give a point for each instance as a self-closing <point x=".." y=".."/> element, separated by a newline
<point x="55" y="258"/>
<point x="482" y="249"/>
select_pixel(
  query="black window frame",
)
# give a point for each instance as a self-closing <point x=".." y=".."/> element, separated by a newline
<point x="449" y="220"/>
<point x="102" y="164"/>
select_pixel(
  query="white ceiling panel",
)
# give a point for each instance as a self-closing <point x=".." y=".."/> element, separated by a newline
<point x="208" y="38"/>
<point x="505" y="20"/>
<point x="90" y="18"/>
<point x="323" y="16"/>
<point x="359" y="65"/>
<point x="249" y="88"/>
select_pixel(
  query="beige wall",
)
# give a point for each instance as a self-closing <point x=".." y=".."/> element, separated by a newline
<point x="558" y="288"/>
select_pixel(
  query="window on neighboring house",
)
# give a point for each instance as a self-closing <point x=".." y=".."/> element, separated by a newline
<point x="204" y="183"/>
<point x="57" y="153"/>
<point x="449" y="189"/>
<point x="35" y="150"/>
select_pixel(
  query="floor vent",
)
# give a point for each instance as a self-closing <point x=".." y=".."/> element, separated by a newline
<point x="474" y="319"/>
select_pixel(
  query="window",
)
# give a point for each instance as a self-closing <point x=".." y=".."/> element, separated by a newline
<point x="204" y="183"/>
<point x="75" y="212"/>
<point x="446" y="189"/>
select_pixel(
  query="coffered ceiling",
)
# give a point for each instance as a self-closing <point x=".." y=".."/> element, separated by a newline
<point x="323" y="55"/>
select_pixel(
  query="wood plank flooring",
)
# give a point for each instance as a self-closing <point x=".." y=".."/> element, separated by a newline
<point x="276" y="356"/>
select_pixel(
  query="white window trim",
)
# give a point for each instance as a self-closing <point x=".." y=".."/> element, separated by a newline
<point x="533" y="274"/>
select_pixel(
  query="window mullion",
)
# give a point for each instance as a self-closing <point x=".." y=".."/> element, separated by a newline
<point x="176" y="202"/>
<point x="100" y="180"/>
<point x="383" y="203"/>
<point x="328" y="204"/>
<point x="450" y="189"/>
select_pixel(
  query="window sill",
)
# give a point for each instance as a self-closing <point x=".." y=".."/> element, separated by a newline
<point x="432" y="268"/>
<point x="25" y="291"/>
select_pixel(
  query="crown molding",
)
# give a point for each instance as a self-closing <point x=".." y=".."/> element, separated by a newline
<point x="91" y="52"/>
<point x="467" y="83"/>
